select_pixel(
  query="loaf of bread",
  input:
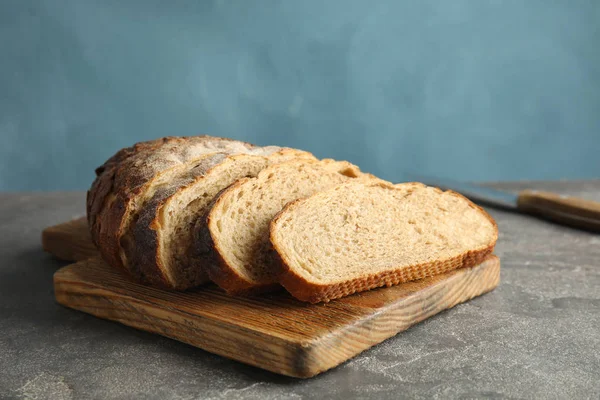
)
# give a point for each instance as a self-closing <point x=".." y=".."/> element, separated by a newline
<point x="123" y="182"/>
<point x="138" y="181"/>
<point x="235" y="233"/>
<point x="358" y="236"/>
<point x="178" y="211"/>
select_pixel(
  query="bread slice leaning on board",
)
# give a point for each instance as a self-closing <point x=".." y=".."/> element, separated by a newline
<point x="235" y="234"/>
<point x="359" y="236"/>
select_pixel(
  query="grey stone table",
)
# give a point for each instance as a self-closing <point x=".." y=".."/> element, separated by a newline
<point x="536" y="336"/>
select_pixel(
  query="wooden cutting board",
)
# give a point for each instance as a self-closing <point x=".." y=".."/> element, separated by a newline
<point x="273" y="331"/>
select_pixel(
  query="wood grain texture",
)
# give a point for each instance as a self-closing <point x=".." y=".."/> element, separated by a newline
<point x="571" y="211"/>
<point x="70" y="241"/>
<point x="274" y="331"/>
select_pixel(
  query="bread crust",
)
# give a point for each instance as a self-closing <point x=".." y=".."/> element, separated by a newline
<point x="312" y="292"/>
<point x="103" y="190"/>
<point x="124" y="177"/>
<point x="147" y="260"/>
<point x="147" y="254"/>
<point x="219" y="270"/>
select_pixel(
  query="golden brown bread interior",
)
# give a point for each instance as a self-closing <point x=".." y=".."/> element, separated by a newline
<point x="238" y="222"/>
<point x="359" y="236"/>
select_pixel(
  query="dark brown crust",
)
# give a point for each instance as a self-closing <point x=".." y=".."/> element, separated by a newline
<point x="105" y="176"/>
<point x="120" y="179"/>
<point x="311" y="292"/>
<point x="104" y="228"/>
<point x="146" y="256"/>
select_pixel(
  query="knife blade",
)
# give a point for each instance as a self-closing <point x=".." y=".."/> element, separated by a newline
<point x="565" y="210"/>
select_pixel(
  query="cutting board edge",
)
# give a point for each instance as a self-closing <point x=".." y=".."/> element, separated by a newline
<point x="259" y="345"/>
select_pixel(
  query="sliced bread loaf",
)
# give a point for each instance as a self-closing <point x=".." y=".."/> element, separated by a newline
<point x="357" y="236"/>
<point x="235" y="233"/>
<point x="127" y="180"/>
<point x="160" y="247"/>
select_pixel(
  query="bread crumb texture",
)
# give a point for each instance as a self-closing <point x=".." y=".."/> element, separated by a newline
<point x="360" y="236"/>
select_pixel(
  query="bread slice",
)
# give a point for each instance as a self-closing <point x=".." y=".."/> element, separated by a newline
<point x="357" y="237"/>
<point x="236" y="231"/>
<point x="127" y="180"/>
<point x="160" y="247"/>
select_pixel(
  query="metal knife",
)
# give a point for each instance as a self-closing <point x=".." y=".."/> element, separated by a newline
<point x="565" y="210"/>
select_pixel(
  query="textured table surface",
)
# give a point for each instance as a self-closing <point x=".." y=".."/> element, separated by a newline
<point x="536" y="336"/>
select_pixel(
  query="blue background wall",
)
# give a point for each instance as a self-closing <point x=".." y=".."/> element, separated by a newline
<point x="478" y="90"/>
